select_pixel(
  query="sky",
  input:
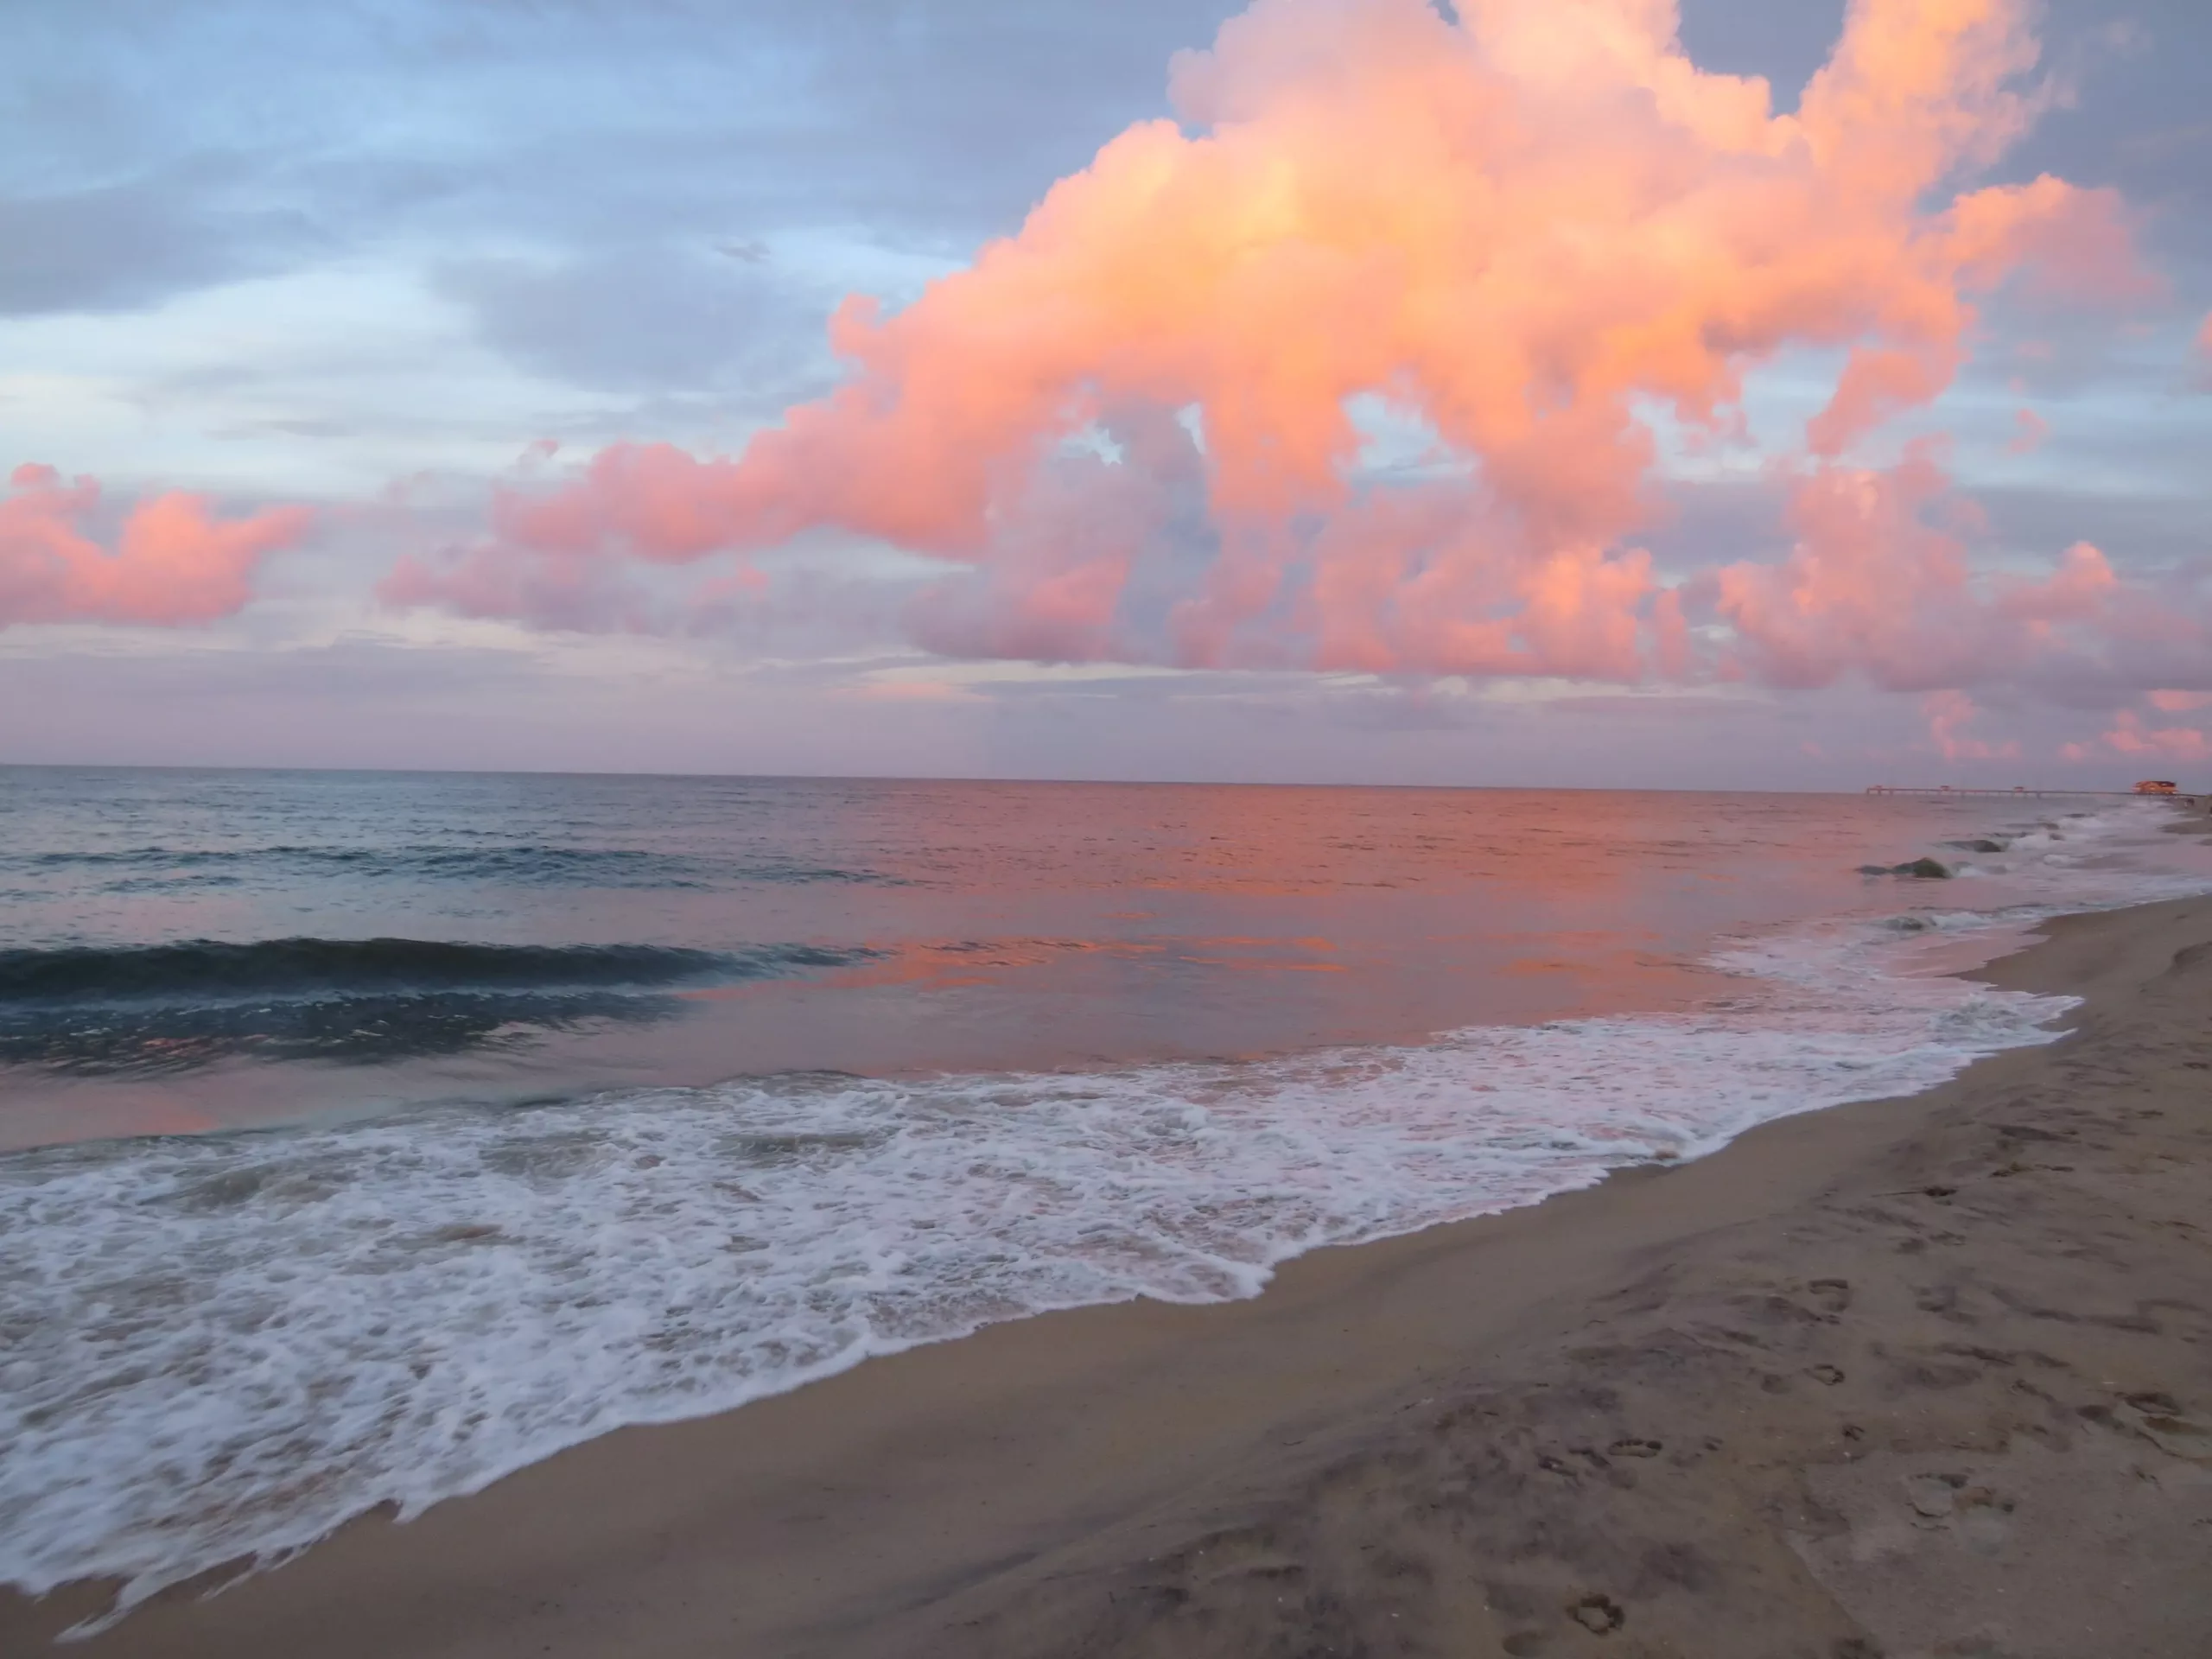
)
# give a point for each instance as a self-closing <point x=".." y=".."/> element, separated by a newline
<point x="1578" y="392"/>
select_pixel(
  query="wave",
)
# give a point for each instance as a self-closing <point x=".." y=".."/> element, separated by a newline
<point x="144" y="869"/>
<point x="207" y="971"/>
<point x="170" y="1008"/>
<point x="125" y="1041"/>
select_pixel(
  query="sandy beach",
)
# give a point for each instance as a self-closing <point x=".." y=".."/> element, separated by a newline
<point x="1916" y="1377"/>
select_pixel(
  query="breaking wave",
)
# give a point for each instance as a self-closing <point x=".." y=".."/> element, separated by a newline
<point x="167" y="1008"/>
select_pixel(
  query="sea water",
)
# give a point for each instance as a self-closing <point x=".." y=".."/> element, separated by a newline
<point x="370" y="1136"/>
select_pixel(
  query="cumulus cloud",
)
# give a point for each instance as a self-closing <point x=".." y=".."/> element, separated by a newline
<point x="1949" y="714"/>
<point x="1128" y="430"/>
<point x="1877" y="585"/>
<point x="173" y="562"/>
<point x="2130" y="735"/>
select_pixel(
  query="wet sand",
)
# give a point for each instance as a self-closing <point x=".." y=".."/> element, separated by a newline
<point x="1918" y="1378"/>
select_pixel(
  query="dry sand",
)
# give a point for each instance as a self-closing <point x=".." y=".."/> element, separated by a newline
<point x="1931" y="1376"/>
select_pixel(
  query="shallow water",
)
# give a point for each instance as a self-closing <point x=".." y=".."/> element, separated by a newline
<point x="595" y="1101"/>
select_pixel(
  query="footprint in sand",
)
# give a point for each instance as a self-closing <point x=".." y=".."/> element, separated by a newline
<point x="1833" y="1295"/>
<point x="1984" y="1519"/>
<point x="1599" y="1615"/>
<point x="1981" y="1517"/>
<point x="1933" y="1497"/>
<point x="2157" y="1419"/>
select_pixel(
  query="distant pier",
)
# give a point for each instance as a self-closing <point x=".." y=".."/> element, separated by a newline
<point x="2023" y="793"/>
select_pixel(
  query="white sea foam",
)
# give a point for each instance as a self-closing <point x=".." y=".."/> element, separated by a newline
<point x="223" y="1347"/>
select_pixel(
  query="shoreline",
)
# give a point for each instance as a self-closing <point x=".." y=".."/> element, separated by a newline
<point x="1050" y="1485"/>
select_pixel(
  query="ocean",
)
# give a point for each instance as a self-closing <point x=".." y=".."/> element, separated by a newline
<point x="365" y="1137"/>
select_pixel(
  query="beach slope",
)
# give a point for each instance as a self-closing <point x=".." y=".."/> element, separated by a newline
<point x="1917" y="1377"/>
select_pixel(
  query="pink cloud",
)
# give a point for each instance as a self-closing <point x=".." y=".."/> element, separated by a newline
<point x="1949" y="714"/>
<point x="1876" y="586"/>
<point x="2029" y="431"/>
<point x="2129" y="736"/>
<point x="172" y="563"/>
<point x="1522" y="230"/>
<point x="2180" y="702"/>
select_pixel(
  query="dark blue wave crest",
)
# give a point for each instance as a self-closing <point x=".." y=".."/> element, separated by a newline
<point x="517" y="865"/>
<point x="204" y="970"/>
<point x="170" y="1007"/>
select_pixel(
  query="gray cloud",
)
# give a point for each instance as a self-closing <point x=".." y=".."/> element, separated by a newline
<point x="116" y="247"/>
<point x="674" y="317"/>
